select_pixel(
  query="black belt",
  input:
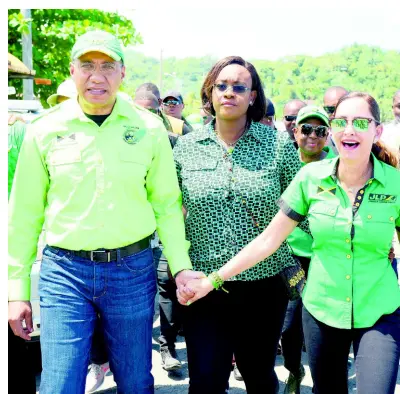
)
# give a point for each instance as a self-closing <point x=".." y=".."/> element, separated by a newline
<point x="107" y="255"/>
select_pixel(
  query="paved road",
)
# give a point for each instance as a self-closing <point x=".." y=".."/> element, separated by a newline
<point x="167" y="383"/>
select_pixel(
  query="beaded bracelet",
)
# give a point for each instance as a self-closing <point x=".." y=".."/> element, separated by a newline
<point x="216" y="281"/>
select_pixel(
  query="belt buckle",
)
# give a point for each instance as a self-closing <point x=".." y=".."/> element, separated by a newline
<point x="100" y="251"/>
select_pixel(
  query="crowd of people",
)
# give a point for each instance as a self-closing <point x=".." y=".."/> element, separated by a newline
<point x="211" y="211"/>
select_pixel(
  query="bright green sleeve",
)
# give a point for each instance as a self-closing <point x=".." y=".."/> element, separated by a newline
<point x="166" y="199"/>
<point x="26" y="216"/>
<point x="294" y="201"/>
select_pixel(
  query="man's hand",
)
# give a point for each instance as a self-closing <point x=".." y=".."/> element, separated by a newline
<point x="199" y="288"/>
<point x="184" y="293"/>
<point x="12" y="118"/>
<point x="18" y="311"/>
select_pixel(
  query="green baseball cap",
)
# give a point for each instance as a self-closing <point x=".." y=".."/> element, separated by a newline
<point x="312" y="111"/>
<point x="98" y="41"/>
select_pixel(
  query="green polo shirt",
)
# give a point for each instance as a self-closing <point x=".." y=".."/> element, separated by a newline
<point x="299" y="240"/>
<point x="351" y="282"/>
<point x="16" y="133"/>
<point x="231" y="197"/>
<point x="93" y="187"/>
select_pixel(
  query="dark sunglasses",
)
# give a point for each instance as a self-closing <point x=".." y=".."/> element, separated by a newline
<point x="360" y="125"/>
<point x="171" y="102"/>
<point x="320" y="131"/>
<point x="290" y="118"/>
<point x="237" y="89"/>
<point x="330" y="109"/>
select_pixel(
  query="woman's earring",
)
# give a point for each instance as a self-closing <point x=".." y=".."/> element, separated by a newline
<point x="251" y="103"/>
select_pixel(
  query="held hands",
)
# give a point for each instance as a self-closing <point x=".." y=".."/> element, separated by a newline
<point x="184" y="292"/>
<point x="198" y="288"/>
<point x="18" y="311"/>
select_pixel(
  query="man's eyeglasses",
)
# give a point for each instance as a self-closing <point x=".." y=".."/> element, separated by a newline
<point x="107" y="68"/>
<point x="290" y="118"/>
<point x="320" y="131"/>
<point x="360" y="125"/>
<point x="329" y="109"/>
<point x="170" y="103"/>
<point x="237" y="89"/>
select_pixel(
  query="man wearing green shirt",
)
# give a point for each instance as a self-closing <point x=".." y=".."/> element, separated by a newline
<point x="99" y="173"/>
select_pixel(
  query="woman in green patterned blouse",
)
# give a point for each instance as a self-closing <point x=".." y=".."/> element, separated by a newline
<point x="231" y="173"/>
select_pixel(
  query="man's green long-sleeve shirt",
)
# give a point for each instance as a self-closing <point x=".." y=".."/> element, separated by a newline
<point x="16" y="133"/>
<point x="93" y="187"/>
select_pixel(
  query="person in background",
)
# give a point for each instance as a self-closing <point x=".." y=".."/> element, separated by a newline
<point x="146" y="99"/>
<point x="172" y="124"/>
<point x="207" y="117"/>
<point x="269" y="118"/>
<point x="231" y="173"/>
<point x="100" y="209"/>
<point x="290" y="111"/>
<point x="65" y="91"/>
<point x="331" y="97"/>
<point x="311" y="132"/>
<point x="351" y="297"/>
<point x="173" y="105"/>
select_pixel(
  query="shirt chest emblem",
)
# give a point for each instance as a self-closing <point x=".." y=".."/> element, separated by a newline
<point x="132" y="135"/>
<point x="382" y="198"/>
<point x="329" y="190"/>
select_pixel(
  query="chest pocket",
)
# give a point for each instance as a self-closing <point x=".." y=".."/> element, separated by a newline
<point x="322" y="216"/>
<point x="200" y="179"/>
<point x="65" y="162"/>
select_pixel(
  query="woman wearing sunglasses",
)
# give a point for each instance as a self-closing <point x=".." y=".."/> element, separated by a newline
<point x="231" y="173"/>
<point x="352" y="296"/>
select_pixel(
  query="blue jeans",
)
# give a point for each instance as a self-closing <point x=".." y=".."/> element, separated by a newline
<point x="73" y="291"/>
<point x="376" y="352"/>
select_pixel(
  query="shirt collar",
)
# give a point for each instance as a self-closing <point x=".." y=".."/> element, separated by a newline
<point x="208" y="132"/>
<point x="121" y="108"/>
<point x="329" y="169"/>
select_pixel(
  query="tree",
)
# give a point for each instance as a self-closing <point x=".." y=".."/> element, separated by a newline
<point x="54" y="32"/>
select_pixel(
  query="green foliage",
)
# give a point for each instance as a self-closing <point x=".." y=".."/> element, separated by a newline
<point x="54" y="32"/>
<point x="357" y="67"/>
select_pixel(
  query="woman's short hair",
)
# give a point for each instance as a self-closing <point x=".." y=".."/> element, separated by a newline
<point x="256" y="111"/>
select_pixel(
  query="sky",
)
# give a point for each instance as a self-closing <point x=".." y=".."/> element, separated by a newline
<point x="281" y="29"/>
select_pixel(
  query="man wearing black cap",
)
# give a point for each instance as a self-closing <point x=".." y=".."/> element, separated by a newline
<point x="172" y="105"/>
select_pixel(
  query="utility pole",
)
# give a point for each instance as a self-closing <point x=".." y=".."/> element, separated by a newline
<point x="161" y="72"/>
<point x="27" y="56"/>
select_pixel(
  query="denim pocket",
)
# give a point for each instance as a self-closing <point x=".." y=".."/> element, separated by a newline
<point x="140" y="262"/>
<point x="55" y="253"/>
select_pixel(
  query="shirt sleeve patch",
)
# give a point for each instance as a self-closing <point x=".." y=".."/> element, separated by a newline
<point x="289" y="212"/>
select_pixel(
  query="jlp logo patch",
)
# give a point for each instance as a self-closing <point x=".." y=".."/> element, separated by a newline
<point x="384" y="198"/>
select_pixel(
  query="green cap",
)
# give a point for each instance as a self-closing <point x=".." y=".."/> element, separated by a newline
<point x="98" y="41"/>
<point x="312" y="111"/>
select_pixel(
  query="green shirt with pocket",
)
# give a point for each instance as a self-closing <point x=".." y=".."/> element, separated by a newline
<point x="93" y="187"/>
<point x="351" y="282"/>
<point x="299" y="240"/>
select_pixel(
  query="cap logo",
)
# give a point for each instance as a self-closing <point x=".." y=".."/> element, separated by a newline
<point x="99" y="42"/>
